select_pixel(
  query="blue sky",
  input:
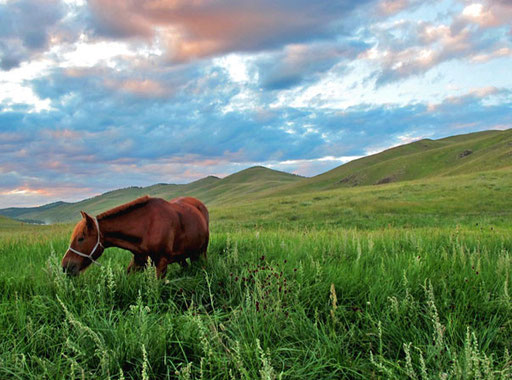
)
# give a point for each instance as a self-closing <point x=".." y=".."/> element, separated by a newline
<point x="97" y="95"/>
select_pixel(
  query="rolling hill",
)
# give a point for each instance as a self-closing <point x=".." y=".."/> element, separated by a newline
<point x="428" y="160"/>
<point x="477" y="200"/>
<point x="211" y="190"/>
<point x="8" y="222"/>
<point x="462" y="154"/>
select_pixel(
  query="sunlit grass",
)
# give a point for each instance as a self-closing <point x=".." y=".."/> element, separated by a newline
<point x="480" y="200"/>
<point x="317" y="303"/>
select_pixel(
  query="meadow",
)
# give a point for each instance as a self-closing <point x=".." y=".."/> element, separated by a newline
<point x="305" y="278"/>
<point x="326" y="302"/>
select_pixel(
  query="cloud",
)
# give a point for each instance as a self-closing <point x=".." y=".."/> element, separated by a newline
<point x="406" y="48"/>
<point x="298" y="63"/>
<point x="488" y="14"/>
<point x="388" y="7"/>
<point x="140" y="87"/>
<point x="97" y="137"/>
<point x="197" y="29"/>
<point x="108" y="94"/>
<point x="26" y="27"/>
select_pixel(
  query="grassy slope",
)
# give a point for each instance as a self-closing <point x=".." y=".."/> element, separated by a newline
<point x="482" y="197"/>
<point x="425" y="159"/>
<point x="421" y="159"/>
<point x="210" y="190"/>
<point x="8" y="222"/>
<point x="18" y="212"/>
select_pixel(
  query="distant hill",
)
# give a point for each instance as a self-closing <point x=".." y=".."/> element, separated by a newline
<point x="19" y="212"/>
<point x="8" y="222"/>
<point x="424" y="159"/>
<point x="211" y="190"/>
<point x="462" y="154"/>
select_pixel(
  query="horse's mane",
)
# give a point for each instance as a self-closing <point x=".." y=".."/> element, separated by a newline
<point x="123" y="209"/>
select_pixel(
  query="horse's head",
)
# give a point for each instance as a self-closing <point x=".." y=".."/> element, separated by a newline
<point x="85" y="246"/>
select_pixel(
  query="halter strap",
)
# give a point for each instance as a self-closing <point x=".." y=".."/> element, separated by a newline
<point x="98" y="244"/>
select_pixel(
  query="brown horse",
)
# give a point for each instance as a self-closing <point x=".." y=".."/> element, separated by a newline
<point x="167" y="232"/>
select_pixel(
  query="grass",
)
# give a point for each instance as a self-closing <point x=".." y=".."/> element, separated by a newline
<point x="480" y="200"/>
<point x="269" y="303"/>
<point x="402" y="280"/>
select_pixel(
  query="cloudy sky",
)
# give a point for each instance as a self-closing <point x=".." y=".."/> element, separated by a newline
<point x="102" y="94"/>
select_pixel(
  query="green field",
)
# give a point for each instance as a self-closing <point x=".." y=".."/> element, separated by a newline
<point x="409" y="279"/>
<point x="319" y="300"/>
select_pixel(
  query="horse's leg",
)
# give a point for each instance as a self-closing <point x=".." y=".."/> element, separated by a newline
<point x="183" y="262"/>
<point x="138" y="263"/>
<point x="201" y="254"/>
<point x="161" y="267"/>
<point x="204" y="248"/>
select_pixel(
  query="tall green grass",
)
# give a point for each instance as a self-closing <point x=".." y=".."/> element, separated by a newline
<point x="425" y="303"/>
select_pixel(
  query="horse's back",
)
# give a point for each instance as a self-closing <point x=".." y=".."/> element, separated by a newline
<point x="195" y="203"/>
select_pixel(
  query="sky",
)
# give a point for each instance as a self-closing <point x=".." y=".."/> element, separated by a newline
<point x="103" y="94"/>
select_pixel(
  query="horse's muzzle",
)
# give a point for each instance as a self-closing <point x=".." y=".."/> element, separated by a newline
<point x="71" y="269"/>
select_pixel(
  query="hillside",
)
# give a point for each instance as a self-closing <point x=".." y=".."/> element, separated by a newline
<point x="19" y="212"/>
<point x="8" y="222"/>
<point x="421" y="160"/>
<point x="462" y="154"/>
<point x="211" y="190"/>
<point x="477" y="200"/>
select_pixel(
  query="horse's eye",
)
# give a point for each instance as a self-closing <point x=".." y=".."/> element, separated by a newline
<point x="81" y="239"/>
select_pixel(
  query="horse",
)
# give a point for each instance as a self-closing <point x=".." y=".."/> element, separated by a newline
<point x="165" y="231"/>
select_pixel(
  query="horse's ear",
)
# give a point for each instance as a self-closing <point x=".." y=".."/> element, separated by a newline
<point x="88" y="218"/>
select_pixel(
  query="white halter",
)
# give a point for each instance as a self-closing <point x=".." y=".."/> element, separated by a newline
<point x="98" y="244"/>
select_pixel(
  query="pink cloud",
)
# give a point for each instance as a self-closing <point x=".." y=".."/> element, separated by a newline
<point x="476" y="93"/>
<point x="63" y="134"/>
<point x="431" y="44"/>
<point x="484" y="91"/>
<point x="201" y="28"/>
<point x="117" y="17"/>
<point x="497" y="53"/>
<point x="30" y="196"/>
<point x="28" y="191"/>
<point x="388" y="7"/>
<point x="146" y="88"/>
<point x="10" y="137"/>
<point x="488" y="14"/>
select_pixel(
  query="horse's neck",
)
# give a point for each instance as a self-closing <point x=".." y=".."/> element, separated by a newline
<point x="120" y="232"/>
